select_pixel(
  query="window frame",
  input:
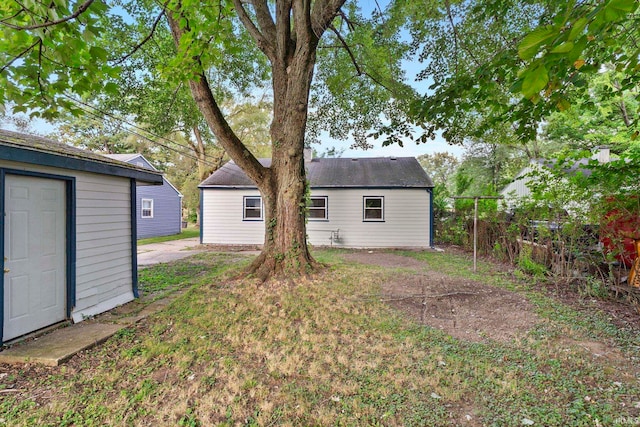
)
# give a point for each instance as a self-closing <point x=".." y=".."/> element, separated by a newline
<point x="365" y="208"/>
<point x="143" y="209"/>
<point x="325" y="209"/>
<point x="245" y="207"/>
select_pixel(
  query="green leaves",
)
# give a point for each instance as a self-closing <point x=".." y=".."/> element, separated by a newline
<point x="617" y="9"/>
<point x="577" y="28"/>
<point x="41" y="61"/>
<point x="534" y="81"/>
<point x="532" y="43"/>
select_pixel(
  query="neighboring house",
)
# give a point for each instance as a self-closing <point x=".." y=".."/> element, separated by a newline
<point x="67" y="233"/>
<point x="355" y="203"/>
<point x="520" y="188"/>
<point x="158" y="207"/>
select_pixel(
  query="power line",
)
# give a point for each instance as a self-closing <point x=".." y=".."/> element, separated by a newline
<point x="90" y="109"/>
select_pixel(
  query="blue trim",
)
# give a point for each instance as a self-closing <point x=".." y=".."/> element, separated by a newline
<point x="2" y="215"/>
<point x="71" y="245"/>
<point x="134" y="240"/>
<point x="430" y="191"/>
<point x="70" y="187"/>
<point x="39" y="158"/>
<point x="201" y="210"/>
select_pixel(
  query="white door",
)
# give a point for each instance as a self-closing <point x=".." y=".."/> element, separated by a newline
<point x="34" y="248"/>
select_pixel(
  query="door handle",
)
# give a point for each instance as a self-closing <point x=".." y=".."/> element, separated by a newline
<point x="6" y="270"/>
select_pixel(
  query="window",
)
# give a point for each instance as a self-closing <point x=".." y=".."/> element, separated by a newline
<point x="252" y="208"/>
<point x="373" y="208"/>
<point x="318" y="208"/>
<point x="147" y="208"/>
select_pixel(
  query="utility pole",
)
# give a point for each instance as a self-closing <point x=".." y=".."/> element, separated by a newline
<point x="475" y="223"/>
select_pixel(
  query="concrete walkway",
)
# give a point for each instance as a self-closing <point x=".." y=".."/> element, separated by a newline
<point x="172" y="250"/>
<point x="61" y="344"/>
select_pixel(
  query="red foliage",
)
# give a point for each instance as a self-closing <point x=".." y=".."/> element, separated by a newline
<point x="618" y="234"/>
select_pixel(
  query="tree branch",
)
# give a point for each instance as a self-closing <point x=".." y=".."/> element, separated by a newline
<point x="359" y="70"/>
<point x="20" y="55"/>
<point x="344" y="44"/>
<point x="83" y="7"/>
<point x="9" y="18"/>
<point x="456" y="36"/>
<point x="265" y="20"/>
<point x="323" y="14"/>
<point x="146" y="39"/>
<point x="207" y="104"/>
<point x="264" y="44"/>
<point x="283" y="30"/>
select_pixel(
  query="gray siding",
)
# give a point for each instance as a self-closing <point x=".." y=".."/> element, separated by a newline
<point x="167" y="211"/>
<point x="103" y="240"/>
<point x="103" y="264"/>
<point x="406" y="219"/>
<point x="167" y="206"/>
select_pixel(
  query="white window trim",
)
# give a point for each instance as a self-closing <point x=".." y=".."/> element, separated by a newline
<point x="325" y="209"/>
<point x="244" y="208"/>
<point x="364" y="209"/>
<point x="142" y="209"/>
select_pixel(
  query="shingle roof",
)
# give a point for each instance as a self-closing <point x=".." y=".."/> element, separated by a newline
<point x="130" y="157"/>
<point x="38" y="150"/>
<point x="374" y="172"/>
<point x="578" y="166"/>
<point x="127" y="157"/>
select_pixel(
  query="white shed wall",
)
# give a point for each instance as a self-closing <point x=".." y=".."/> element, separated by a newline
<point x="406" y="219"/>
<point x="103" y="239"/>
<point x="222" y="222"/>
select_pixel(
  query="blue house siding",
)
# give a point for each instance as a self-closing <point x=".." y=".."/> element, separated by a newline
<point x="167" y="206"/>
<point x="167" y="203"/>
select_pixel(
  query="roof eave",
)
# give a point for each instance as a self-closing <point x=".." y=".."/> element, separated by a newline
<point x="326" y="187"/>
<point x="37" y="157"/>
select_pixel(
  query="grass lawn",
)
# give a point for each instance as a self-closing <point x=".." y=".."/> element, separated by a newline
<point x="330" y="351"/>
<point x="191" y="231"/>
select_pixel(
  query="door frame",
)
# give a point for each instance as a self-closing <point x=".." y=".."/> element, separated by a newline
<point x="70" y="240"/>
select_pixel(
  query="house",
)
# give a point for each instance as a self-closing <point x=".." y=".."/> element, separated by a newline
<point x="158" y="207"/>
<point x="354" y="203"/>
<point x="539" y="169"/>
<point x="67" y="233"/>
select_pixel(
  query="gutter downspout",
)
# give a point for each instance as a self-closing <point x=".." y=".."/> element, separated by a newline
<point x="201" y="210"/>
<point x="430" y="190"/>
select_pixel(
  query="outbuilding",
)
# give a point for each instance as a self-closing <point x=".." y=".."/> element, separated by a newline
<point x="378" y="202"/>
<point x="67" y="233"/>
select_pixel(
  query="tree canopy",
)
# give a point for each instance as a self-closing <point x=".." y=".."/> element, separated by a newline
<point x="515" y="62"/>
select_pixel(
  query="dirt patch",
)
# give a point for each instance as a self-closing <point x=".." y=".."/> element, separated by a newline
<point x="462" y="308"/>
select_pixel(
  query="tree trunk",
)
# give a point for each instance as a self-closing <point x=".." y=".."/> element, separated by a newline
<point x="289" y="42"/>
<point x="285" y="250"/>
